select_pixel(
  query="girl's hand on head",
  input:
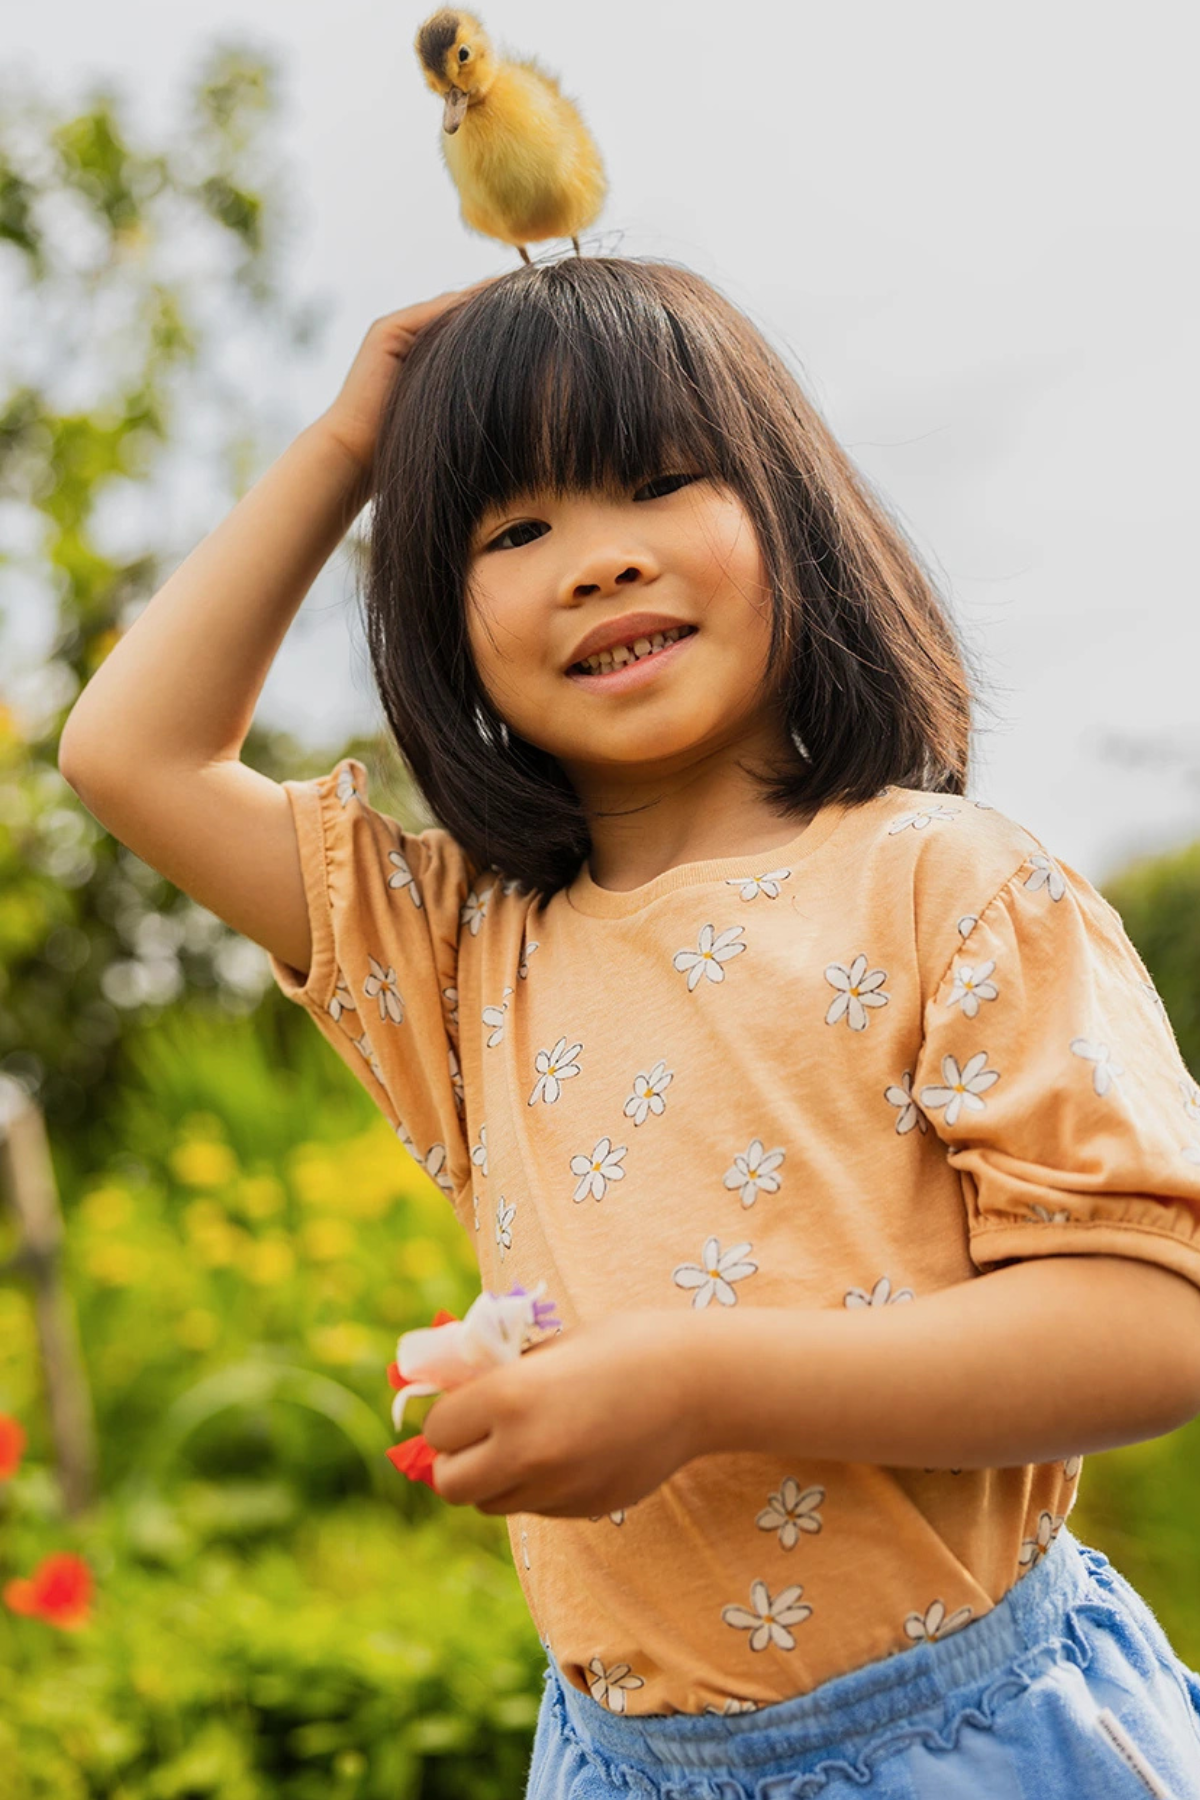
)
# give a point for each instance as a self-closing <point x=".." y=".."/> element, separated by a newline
<point x="354" y="417"/>
<point x="590" y="1420"/>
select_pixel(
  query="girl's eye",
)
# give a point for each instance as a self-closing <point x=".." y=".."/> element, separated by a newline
<point x="663" y="484"/>
<point x="524" y="532"/>
<point x="463" y="54"/>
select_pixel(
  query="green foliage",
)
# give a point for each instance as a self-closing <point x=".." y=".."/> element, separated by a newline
<point x="165" y="255"/>
<point x="1159" y="900"/>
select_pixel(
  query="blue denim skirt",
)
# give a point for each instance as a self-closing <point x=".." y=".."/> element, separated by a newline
<point x="1068" y="1687"/>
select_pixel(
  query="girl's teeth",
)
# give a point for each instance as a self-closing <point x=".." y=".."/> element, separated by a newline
<point x="607" y="660"/>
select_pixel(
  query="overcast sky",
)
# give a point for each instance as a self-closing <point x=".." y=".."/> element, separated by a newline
<point x="974" y="230"/>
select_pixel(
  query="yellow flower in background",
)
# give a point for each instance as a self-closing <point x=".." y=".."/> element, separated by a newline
<point x="216" y="1242"/>
<point x="269" y="1260"/>
<point x="203" y="1163"/>
<point x="117" y="1265"/>
<point x="421" y="1258"/>
<point x="261" y="1196"/>
<point x="106" y="1208"/>
<point x="8" y="725"/>
<point x="324" y="1238"/>
<point x="316" y="1175"/>
<point x="197" y="1329"/>
<point x="344" y="1343"/>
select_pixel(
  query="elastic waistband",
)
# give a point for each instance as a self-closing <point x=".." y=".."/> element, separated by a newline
<point x="895" y="1690"/>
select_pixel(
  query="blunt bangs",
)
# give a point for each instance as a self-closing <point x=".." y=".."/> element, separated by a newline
<point x="597" y="374"/>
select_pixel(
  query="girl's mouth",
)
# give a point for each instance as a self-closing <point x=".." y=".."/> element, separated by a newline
<point x="629" y="665"/>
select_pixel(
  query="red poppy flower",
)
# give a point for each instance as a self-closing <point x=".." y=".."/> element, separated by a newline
<point x="414" y="1458"/>
<point x="59" y="1591"/>
<point x="12" y="1444"/>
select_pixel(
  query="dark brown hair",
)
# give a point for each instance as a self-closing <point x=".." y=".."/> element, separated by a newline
<point x="600" y="373"/>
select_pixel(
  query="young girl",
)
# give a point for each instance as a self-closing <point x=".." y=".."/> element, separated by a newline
<point x="843" y="1124"/>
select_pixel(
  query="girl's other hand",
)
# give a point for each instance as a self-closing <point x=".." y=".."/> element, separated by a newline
<point x="355" y="416"/>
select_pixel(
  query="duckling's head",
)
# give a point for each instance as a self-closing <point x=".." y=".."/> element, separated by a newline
<point x="457" y="59"/>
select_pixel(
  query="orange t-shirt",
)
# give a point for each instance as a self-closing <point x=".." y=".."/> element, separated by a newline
<point x="905" y="1047"/>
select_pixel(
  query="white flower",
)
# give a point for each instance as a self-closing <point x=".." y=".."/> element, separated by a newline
<point x="617" y="1518"/>
<point x="1060" y="1216"/>
<point x="381" y="984"/>
<point x="857" y="991"/>
<point x="1191" y="1099"/>
<point x="1106" y="1070"/>
<point x="732" y="1706"/>
<point x="967" y="924"/>
<point x="493" y="1017"/>
<point x="475" y="1209"/>
<point x="363" y="1046"/>
<point x="648" y="1091"/>
<point x="597" y="1170"/>
<point x="1034" y="1548"/>
<point x="767" y="1620"/>
<point x="971" y="985"/>
<point x="715" y="1273"/>
<point x="934" y="1624"/>
<point x="497" y="1327"/>
<point x="479" y="1151"/>
<point x="435" y="1167"/>
<point x="1048" y="875"/>
<point x="456" y="1080"/>
<point x="984" y="805"/>
<point x="402" y="877"/>
<point x="450" y="996"/>
<point x="963" y="1087"/>
<point x="910" y="1112"/>
<point x="343" y="1000"/>
<point x="709" y="956"/>
<point x="504" y="1218"/>
<point x="920" y="819"/>
<point x="523" y="965"/>
<point x="513" y="885"/>
<point x="753" y="885"/>
<point x="608" y="1685"/>
<point x="754" y="1173"/>
<point x="475" y="909"/>
<point x="1071" y="1467"/>
<point x="790" y="1511"/>
<point x="880" y="1295"/>
<point x="553" y="1068"/>
<point x="346" y="789"/>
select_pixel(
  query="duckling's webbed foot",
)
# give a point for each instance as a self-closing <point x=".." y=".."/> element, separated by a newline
<point x="525" y="256"/>
<point x="578" y="251"/>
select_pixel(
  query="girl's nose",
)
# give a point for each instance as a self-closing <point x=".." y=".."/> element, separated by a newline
<point x="605" y="577"/>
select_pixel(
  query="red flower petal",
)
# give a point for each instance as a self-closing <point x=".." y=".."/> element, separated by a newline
<point x="12" y="1445"/>
<point x="395" y="1378"/>
<point x="441" y="1317"/>
<point x="414" y="1458"/>
<point x="59" y="1591"/>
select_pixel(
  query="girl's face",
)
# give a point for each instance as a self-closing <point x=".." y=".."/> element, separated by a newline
<point x="565" y="597"/>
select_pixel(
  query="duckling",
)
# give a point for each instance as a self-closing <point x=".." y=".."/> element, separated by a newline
<point x="520" y="155"/>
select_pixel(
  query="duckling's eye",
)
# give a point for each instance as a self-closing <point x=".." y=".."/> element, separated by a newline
<point x="523" y="532"/>
<point x="464" y="55"/>
<point x="662" y="485"/>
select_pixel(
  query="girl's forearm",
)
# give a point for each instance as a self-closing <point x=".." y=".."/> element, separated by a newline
<point x="183" y="681"/>
<point x="1036" y="1361"/>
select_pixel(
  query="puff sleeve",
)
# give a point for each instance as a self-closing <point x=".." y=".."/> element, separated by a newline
<point x="1049" y="1068"/>
<point x="384" y="909"/>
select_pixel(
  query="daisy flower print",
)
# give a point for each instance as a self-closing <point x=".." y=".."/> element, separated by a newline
<point x="553" y="1067"/>
<point x="594" y="1172"/>
<point x="901" y="1096"/>
<point x="754" y="1172"/>
<point x="963" y="1086"/>
<point x="971" y="985"/>
<point x="710" y="955"/>
<point x="380" y="985"/>
<point x="768" y="1620"/>
<point x="857" y="990"/>
<point x="751" y="886"/>
<point x="713" y="1277"/>
<point x="1106" y="1070"/>
<point x="648" y="1092"/>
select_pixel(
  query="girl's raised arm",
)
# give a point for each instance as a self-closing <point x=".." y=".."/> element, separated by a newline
<point x="153" y="744"/>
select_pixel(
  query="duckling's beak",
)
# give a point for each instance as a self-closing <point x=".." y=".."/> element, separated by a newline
<point x="456" y="110"/>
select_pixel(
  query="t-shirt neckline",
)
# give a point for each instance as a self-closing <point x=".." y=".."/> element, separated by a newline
<point x="584" y="896"/>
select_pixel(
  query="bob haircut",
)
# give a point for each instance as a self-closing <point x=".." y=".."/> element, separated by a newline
<point x="599" y="373"/>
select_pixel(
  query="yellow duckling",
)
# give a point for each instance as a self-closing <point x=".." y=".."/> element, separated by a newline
<point x="522" y="159"/>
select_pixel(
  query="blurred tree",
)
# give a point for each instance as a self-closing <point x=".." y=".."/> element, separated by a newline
<point x="137" y="279"/>
<point x="1159" y="899"/>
